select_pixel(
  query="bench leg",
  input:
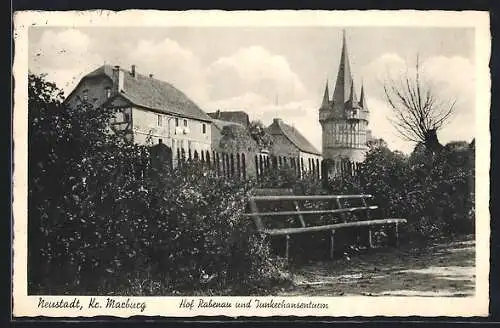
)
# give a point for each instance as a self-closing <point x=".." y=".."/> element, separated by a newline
<point x="370" y="238"/>
<point x="396" y="235"/>
<point x="287" y="246"/>
<point x="332" y="244"/>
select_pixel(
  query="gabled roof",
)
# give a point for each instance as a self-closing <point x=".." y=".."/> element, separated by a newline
<point x="220" y="124"/>
<point x="231" y="116"/>
<point x="292" y="134"/>
<point x="154" y="94"/>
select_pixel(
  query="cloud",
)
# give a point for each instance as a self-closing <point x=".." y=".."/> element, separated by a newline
<point x="65" y="56"/>
<point x="254" y="69"/>
<point x="171" y="62"/>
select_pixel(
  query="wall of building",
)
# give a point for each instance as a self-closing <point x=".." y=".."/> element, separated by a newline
<point x="163" y="126"/>
<point x="344" y="140"/>
<point x="95" y="89"/>
<point x="282" y="146"/>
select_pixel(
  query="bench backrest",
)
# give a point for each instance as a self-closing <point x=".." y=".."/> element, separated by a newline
<point x="281" y="209"/>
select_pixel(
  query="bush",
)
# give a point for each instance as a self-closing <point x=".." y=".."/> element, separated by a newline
<point x="435" y="193"/>
<point x="102" y="220"/>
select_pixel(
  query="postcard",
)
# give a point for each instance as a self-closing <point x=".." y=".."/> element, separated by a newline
<point x="251" y="163"/>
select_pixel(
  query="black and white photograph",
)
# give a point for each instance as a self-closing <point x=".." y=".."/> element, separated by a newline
<point x="251" y="164"/>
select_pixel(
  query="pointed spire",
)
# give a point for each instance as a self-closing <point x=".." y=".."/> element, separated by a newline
<point x="326" y="97"/>
<point x="344" y="83"/>
<point x="362" y="99"/>
<point x="352" y="96"/>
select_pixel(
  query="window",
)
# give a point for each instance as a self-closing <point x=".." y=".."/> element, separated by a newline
<point x="185" y="123"/>
<point x="85" y="95"/>
<point x="176" y="121"/>
<point x="160" y="120"/>
<point x="204" y="128"/>
<point x="107" y="92"/>
<point x="126" y="117"/>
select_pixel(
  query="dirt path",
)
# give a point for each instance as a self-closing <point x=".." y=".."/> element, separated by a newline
<point x="443" y="269"/>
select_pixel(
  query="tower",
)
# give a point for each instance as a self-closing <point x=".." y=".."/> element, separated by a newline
<point x="344" y="118"/>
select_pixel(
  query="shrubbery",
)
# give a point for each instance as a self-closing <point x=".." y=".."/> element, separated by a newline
<point x="101" y="220"/>
<point x="434" y="192"/>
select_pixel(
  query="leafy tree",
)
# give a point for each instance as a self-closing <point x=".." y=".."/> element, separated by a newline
<point x="77" y="170"/>
<point x="260" y="134"/>
<point x="377" y="143"/>
<point x="101" y="218"/>
<point x="236" y="138"/>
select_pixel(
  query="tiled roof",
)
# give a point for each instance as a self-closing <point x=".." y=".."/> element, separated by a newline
<point x="155" y="94"/>
<point x="292" y="134"/>
<point x="220" y="124"/>
<point x="231" y="116"/>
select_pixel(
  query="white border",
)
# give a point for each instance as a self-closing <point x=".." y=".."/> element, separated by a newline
<point x="477" y="305"/>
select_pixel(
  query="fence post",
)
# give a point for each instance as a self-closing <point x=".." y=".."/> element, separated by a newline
<point x="257" y="173"/>
<point x="238" y="166"/>
<point x="261" y="163"/>
<point x="243" y="165"/>
<point x="232" y="165"/>
<point x="217" y="163"/>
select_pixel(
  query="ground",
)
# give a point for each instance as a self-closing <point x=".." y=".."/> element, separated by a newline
<point x="444" y="268"/>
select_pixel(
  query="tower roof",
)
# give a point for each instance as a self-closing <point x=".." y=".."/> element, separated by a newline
<point x="362" y="99"/>
<point x="326" y="97"/>
<point x="342" y="92"/>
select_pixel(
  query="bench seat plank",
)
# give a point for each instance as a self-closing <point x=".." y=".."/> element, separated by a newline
<point x="289" y="231"/>
<point x="306" y="197"/>
<point x="338" y="210"/>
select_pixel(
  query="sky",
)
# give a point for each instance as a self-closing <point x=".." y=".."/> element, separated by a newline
<point x="272" y="71"/>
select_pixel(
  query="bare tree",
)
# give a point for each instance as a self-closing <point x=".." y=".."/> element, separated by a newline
<point x="419" y="111"/>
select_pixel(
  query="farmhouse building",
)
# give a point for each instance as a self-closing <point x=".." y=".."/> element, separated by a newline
<point x="148" y="111"/>
<point x="291" y="148"/>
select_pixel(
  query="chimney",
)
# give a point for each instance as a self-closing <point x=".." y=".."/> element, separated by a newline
<point x="277" y="120"/>
<point x="132" y="70"/>
<point x="117" y="80"/>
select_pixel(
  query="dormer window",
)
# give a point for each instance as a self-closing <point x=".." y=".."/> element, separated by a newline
<point x="107" y="92"/>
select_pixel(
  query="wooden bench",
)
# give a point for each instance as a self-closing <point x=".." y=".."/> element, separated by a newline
<point x="296" y="214"/>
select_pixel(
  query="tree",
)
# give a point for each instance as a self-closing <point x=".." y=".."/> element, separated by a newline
<point x="260" y="134"/>
<point x="377" y="143"/>
<point x="76" y="172"/>
<point x="419" y="112"/>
